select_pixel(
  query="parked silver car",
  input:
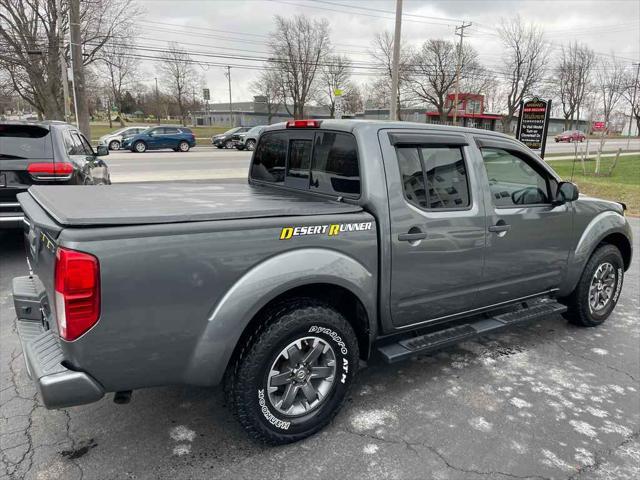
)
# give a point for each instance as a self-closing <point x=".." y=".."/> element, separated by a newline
<point x="114" y="139"/>
<point x="249" y="139"/>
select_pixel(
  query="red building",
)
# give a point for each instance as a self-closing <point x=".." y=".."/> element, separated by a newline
<point x="470" y="112"/>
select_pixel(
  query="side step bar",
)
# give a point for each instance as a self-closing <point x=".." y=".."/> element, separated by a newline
<point x="430" y="342"/>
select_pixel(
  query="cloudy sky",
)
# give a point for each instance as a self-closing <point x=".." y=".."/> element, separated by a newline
<point x="228" y="30"/>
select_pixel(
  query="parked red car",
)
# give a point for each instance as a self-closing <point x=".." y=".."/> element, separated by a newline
<point x="570" y="136"/>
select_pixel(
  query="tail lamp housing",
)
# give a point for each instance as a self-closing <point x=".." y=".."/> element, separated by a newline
<point x="50" y="170"/>
<point x="77" y="292"/>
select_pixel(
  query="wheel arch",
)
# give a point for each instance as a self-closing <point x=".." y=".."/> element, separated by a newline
<point x="606" y="228"/>
<point x="321" y="274"/>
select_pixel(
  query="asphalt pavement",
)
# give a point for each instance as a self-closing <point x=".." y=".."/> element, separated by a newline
<point x="205" y="162"/>
<point x="544" y="401"/>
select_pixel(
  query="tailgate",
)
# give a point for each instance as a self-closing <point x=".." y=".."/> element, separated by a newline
<point x="41" y="234"/>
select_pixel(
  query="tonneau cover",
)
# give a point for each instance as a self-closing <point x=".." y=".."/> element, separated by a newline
<point x="152" y="203"/>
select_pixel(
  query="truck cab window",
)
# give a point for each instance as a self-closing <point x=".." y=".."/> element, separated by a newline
<point x="512" y="180"/>
<point x="434" y="178"/>
<point x="269" y="158"/>
<point x="299" y="158"/>
<point x="334" y="168"/>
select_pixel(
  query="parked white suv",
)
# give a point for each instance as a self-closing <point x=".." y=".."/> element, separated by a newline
<point x="114" y="139"/>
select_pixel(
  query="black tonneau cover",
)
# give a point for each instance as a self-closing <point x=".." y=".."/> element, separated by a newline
<point x="136" y="204"/>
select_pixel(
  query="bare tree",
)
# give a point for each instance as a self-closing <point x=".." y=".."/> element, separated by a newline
<point x="299" y="46"/>
<point x="32" y="34"/>
<point x="525" y="62"/>
<point x="631" y="94"/>
<point x="433" y="73"/>
<point x="179" y="75"/>
<point x="352" y="100"/>
<point x="269" y="86"/>
<point x="382" y="54"/>
<point x="572" y="79"/>
<point x="335" y="74"/>
<point x="610" y="83"/>
<point x="120" y="71"/>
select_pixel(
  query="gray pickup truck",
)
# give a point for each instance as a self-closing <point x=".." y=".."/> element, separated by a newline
<point x="349" y="239"/>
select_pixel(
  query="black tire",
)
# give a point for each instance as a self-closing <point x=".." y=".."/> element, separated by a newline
<point x="114" y="145"/>
<point x="139" y="147"/>
<point x="248" y="377"/>
<point x="251" y="145"/>
<point x="228" y="144"/>
<point x="183" y="147"/>
<point x="220" y="146"/>
<point x="580" y="311"/>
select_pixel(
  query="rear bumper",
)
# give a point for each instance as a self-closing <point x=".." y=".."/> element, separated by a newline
<point x="58" y="386"/>
<point x="11" y="215"/>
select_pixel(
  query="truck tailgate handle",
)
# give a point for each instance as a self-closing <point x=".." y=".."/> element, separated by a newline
<point x="412" y="237"/>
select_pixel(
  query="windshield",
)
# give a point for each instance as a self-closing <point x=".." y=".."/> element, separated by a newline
<point x="233" y="130"/>
<point x="255" y="130"/>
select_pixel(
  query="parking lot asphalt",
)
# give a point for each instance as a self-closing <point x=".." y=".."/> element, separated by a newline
<point x="548" y="400"/>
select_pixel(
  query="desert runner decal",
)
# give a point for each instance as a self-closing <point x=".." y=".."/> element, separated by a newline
<point x="331" y="230"/>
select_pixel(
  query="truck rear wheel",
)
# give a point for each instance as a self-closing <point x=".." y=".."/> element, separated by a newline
<point x="293" y="375"/>
<point x="598" y="289"/>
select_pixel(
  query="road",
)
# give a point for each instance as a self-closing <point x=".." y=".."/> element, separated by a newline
<point x="548" y="400"/>
<point x="206" y="162"/>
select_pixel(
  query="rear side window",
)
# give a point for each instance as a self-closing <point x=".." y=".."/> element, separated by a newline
<point x="171" y="131"/>
<point x="24" y="141"/>
<point x="320" y="161"/>
<point x="270" y="158"/>
<point x="434" y="178"/>
<point x="334" y="168"/>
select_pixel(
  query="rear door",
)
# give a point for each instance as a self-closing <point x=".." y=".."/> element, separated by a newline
<point x="20" y="146"/>
<point x="171" y="137"/>
<point x="437" y="226"/>
<point x="528" y="238"/>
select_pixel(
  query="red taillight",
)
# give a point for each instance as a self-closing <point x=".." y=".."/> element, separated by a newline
<point x="77" y="285"/>
<point x="50" y="169"/>
<point x="303" y="124"/>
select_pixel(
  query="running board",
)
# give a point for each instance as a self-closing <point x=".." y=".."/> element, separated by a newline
<point x="430" y="342"/>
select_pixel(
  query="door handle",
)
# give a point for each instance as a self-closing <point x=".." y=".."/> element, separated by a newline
<point x="499" y="228"/>
<point x="412" y="237"/>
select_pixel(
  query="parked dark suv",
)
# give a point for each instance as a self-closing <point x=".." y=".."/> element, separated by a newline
<point x="44" y="153"/>
<point x="230" y="138"/>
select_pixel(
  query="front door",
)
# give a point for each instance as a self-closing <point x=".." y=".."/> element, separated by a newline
<point x="528" y="237"/>
<point x="437" y="228"/>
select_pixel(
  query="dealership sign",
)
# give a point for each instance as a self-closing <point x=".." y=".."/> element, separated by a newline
<point x="533" y="124"/>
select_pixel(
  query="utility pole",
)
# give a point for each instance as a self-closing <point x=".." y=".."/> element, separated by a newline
<point x="63" y="65"/>
<point x="393" y="101"/>
<point x="460" y="33"/>
<point x="157" y="102"/>
<point x="79" y="87"/>
<point x="228" y="75"/>
<point x="633" y="103"/>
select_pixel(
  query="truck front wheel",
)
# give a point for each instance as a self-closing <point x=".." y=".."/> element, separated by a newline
<point x="598" y="289"/>
<point x="293" y="375"/>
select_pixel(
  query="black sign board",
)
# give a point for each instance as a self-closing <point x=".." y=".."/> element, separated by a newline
<point x="206" y="94"/>
<point x="533" y="124"/>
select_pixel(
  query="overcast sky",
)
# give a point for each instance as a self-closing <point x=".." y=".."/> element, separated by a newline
<point x="241" y="27"/>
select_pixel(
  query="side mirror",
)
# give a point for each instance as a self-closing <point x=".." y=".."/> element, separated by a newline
<point x="567" y="192"/>
<point x="102" y="150"/>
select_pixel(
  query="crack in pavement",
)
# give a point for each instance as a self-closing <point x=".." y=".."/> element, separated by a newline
<point x="589" y="359"/>
<point x="603" y="456"/>
<point x="411" y="446"/>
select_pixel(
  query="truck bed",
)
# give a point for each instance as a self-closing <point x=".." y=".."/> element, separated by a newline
<point x="140" y="204"/>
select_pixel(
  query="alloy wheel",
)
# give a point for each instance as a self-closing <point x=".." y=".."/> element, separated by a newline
<point x="602" y="287"/>
<point x="302" y="376"/>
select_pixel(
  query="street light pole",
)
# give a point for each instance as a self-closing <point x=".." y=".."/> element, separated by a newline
<point x="63" y="64"/>
<point x="157" y="102"/>
<point x="395" y="74"/>
<point x="458" y="67"/>
<point x="228" y="75"/>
